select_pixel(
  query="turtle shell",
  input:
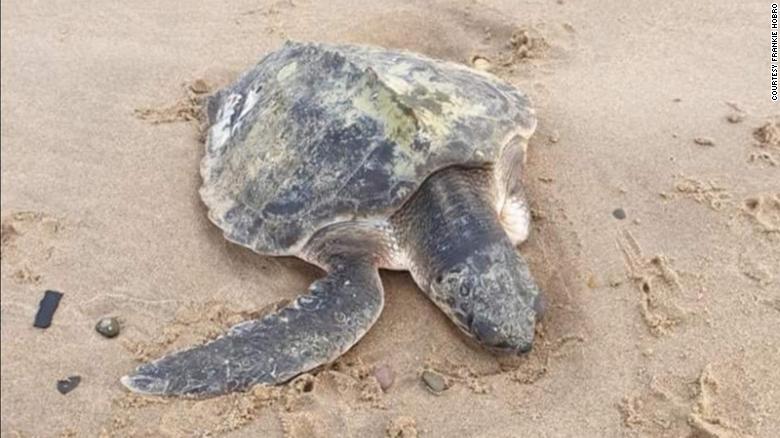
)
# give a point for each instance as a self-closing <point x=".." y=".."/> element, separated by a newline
<point x="317" y="134"/>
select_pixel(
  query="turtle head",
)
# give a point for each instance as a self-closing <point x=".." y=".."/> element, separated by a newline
<point x="492" y="297"/>
<point x="463" y="259"/>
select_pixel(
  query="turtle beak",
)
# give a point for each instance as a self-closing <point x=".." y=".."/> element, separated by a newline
<point x="500" y="340"/>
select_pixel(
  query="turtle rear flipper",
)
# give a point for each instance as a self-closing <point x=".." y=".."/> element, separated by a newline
<point x="315" y="329"/>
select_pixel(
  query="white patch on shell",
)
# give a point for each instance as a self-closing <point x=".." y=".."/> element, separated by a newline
<point x="221" y="131"/>
<point x="395" y="78"/>
<point x="251" y="101"/>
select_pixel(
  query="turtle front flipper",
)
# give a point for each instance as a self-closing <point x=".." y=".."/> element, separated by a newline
<point x="315" y="329"/>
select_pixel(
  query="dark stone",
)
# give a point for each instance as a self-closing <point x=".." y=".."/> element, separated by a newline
<point x="434" y="381"/>
<point x="619" y="213"/>
<point x="67" y="385"/>
<point x="46" y="308"/>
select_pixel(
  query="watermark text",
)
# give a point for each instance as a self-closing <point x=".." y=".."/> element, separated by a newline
<point x="773" y="63"/>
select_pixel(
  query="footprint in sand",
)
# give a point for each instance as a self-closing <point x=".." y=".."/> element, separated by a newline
<point x="764" y="212"/>
<point x="767" y="146"/>
<point x="763" y="209"/>
<point x="27" y="243"/>
<point x="663" y="294"/>
<point x="716" y="403"/>
<point x="709" y="193"/>
<point x="766" y="149"/>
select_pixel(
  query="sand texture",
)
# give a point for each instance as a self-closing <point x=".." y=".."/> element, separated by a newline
<point x="661" y="324"/>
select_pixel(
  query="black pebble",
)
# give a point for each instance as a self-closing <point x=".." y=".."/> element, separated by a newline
<point x="619" y="213"/>
<point x="67" y="385"/>
<point x="46" y="308"/>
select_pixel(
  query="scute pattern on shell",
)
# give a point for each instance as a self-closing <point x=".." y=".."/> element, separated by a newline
<point x="317" y="134"/>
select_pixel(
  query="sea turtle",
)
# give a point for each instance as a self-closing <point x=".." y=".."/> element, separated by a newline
<point x="357" y="158"/>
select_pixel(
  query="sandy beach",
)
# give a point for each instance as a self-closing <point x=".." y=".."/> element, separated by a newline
<point x="654" y="179"/>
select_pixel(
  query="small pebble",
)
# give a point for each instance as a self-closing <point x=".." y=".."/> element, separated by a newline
<point x="704" y="141"/>
<point x="108" y="327"/>
<point x="481" y="63"/>
<point x="69" y="384"/>
<point x="434" y="381"/>
<point x="735" y="118"/>
<point x="385" y="376"/>
<point x="592" y="282"/>
<point x="619" y="213"/>
<point x="199" y="86"/>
